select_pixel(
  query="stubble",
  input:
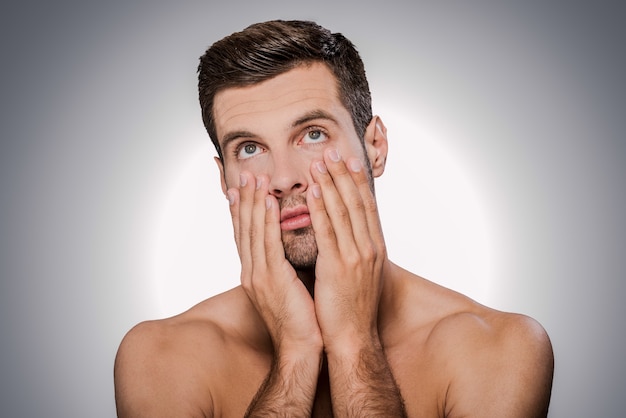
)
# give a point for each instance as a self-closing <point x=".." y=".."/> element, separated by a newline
<point x="300" y="245"/>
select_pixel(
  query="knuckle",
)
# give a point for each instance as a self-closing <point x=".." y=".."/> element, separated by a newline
<point x="357" y="203"/>
<point x="382" y="252"/>
<point x="352" y="259"/>
<point x="253" y="234"/>
<point x="369" y="203"/>
<point x="369" y="251"/>
<point x="342" y="212"/>
<point x="328" y="230"/>
<point x="246" y="281"/>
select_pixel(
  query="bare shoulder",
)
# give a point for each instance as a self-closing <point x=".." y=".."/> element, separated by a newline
<point x="499" y="363"/>
<point x="486" y="328"/>
<point x="156" y="362"/>
<point x="171" y="367"/>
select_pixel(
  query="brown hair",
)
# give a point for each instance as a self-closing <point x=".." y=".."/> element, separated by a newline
<point x="265" y="50"/>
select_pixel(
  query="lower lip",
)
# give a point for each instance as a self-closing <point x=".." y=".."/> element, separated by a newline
<point x="296" y="222"/>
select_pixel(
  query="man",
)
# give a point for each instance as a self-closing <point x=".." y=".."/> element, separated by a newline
<point x="323" y="324"/>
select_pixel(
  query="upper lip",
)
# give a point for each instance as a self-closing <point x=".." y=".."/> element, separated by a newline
<point x="287" y="213"/>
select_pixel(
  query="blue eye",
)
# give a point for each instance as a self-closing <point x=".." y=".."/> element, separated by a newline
<point x="248" y="150"/>
<point x="314" y="135"/>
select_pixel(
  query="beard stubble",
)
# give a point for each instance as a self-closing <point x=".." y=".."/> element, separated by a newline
<point x="300" y="245"/>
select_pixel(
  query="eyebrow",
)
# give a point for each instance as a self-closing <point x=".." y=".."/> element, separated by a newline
<point x="313" y="115"/>
<point x="231" y="136"/>
<point x="307" y="117"/>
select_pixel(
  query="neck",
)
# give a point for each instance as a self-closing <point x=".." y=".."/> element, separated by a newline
<point x="389" y="272"/>
<point x="307" y="276"/>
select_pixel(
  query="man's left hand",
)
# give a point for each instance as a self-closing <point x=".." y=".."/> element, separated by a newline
<point x="351" y="252"/>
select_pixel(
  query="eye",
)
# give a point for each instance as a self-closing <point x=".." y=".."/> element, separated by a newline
<point x="247" y="150"/>
<point x="314" y="135"/>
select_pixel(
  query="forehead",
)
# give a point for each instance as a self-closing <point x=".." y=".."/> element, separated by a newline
<point x="283" y="97"/>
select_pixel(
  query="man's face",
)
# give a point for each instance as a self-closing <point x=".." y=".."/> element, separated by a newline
<point x="277" y="128"/>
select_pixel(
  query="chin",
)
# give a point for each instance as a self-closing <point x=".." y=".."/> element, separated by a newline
<point x="300" y="248"/>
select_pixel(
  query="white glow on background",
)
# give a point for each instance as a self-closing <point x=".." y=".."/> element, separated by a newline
<point x="430" y="207"/>
<point x="429" y="211"/>
<point x="194" y="252"/>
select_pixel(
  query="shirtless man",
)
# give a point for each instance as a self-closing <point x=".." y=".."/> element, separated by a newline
<point x="323" y="324"/>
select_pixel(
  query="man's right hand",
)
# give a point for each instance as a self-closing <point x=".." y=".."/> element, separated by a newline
<point x="267" y="277"/>
<point x="281" y="300"/>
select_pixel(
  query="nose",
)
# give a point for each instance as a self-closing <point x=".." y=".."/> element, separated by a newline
<point x="289" y="175"/>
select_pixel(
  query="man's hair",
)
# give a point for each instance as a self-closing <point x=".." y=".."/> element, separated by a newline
<point x="265" y="50"/>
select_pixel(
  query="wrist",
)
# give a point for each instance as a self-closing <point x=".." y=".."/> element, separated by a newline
<point x="352" y="346"/>
<point x="288" y="351"/>
<point x="301" y="362"/>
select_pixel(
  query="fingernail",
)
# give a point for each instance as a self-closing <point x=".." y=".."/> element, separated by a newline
<point x="268" y="202"/>
<point x="355" y="165"/>
<point x="317" y="192"/>
<point x="321" y="167"/>
<point x="243" y="180"/>
<point x="333" y="154"/>
<point x="259" y="181"/>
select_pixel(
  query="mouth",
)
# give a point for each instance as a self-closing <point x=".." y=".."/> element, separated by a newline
<point x="294" y="218"/>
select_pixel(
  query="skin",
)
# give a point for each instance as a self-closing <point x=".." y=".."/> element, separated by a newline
<point x="375" y="340"/>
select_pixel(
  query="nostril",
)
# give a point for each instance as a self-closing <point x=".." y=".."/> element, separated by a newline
<point x="286" y="178"/>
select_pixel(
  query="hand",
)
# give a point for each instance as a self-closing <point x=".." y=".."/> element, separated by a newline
<point x="351" y="252"/>
<point x="267" y="277"/>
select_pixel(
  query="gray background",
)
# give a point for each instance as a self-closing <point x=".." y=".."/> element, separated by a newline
<point x="505" y="181"/>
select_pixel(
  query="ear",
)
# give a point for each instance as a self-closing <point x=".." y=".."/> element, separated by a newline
<point x="376" y="145"/>
<point x="220" y="165"/>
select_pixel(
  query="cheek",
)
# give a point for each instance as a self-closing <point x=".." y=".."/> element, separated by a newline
<point x="256" y="166"/>
<point x="353" y="148"/>
<point x="231" y="174"/>
<point x="231" y="180"/>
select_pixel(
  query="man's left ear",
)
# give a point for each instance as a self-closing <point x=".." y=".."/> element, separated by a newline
<point x="376" y="145"/>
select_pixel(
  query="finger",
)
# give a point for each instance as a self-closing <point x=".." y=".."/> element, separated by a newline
<point x="324" y="232"/>
<point x="342" y="200"/>
<point x="246" y="202"/>
<point x="362" y="180"/>
<point x="257" y="227"/>
<point x="348" y="190"/>
<point x="334" y="208"/>
<point x="274" y="250"/>
<point x="233" y="204"/>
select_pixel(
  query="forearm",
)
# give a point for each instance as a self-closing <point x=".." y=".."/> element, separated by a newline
<point x="362" y="384"/>
<point x="289" y="389"/>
